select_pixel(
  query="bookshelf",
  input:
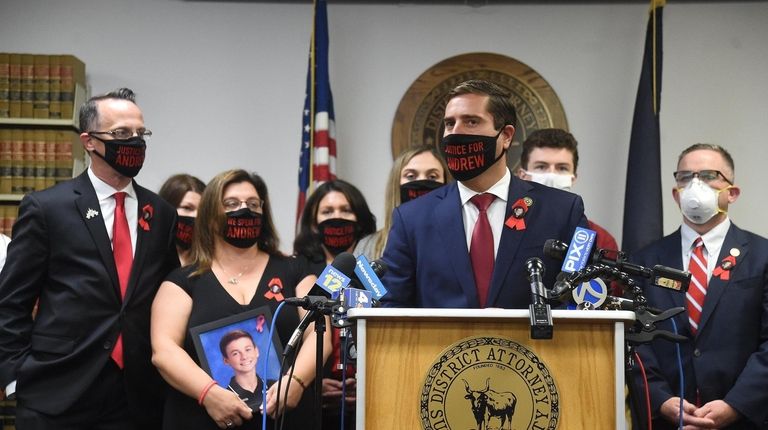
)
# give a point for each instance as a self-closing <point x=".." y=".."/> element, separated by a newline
<point x="35" y="154"/>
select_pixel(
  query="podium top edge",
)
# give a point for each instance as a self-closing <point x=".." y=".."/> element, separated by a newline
<point x="444" y="313"/>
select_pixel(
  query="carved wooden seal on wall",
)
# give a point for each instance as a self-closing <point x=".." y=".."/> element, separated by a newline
<point x="419" y="117"/>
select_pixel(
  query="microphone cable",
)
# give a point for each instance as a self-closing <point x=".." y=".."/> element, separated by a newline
<point x="266" y="368"/>
<point x="344" y="346"/>
<point x="682" y="375"/>
<point x="287" y="390"/>
<point x="647" y="391"/>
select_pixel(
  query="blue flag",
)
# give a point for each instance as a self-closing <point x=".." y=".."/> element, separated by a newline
<point x="643" y="219"/>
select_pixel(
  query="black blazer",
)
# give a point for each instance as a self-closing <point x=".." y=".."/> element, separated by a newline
<point x="61" y="254"/>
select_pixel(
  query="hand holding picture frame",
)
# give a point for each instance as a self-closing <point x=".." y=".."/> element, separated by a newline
<point x="233" y="350"/>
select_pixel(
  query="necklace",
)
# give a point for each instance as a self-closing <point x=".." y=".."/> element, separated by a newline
<point x="234" y="280"/>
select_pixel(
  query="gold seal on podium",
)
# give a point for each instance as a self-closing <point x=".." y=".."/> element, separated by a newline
<point x="489" y="383"/>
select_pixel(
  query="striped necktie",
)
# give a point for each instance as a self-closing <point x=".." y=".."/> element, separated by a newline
<point x="698" y="288"/>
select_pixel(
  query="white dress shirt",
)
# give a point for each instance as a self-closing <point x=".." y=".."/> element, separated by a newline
<point x="495" y="212"/>
<point x="713" y="242"/>
<point x="105" y="194"/>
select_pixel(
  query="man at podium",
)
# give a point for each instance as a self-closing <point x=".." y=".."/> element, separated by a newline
<point x="464" y="245"/>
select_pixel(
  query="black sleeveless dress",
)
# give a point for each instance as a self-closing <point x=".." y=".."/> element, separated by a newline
<point x="211" y="302"/>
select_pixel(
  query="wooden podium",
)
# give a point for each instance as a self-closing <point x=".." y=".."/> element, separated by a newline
<point x="397" y="347"/>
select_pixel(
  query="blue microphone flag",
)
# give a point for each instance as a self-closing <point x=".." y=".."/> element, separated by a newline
<point x="332" y="280"/>
<point x="577" y="255"/>
<point x="368" y="277"/>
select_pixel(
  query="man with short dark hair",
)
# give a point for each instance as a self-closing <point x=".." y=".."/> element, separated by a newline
<point x="93" y="251"/>
<point x="725" y="364"/>
<point x="465" y="244"/>
<point x="551" y="157"/>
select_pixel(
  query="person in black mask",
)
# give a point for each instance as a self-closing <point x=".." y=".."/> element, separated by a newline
<point x="415" y="172"/>
<point x="235" y="267"/>
<point x="465" y="244"/>
<point x="334" y="219"/>
<point x="94" y="251"/>
<point x="183" y="192"/>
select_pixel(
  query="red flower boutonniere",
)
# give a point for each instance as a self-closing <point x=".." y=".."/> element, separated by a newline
<point x="275" y="290"/>
<point x="146" y="215"/>
<point x="723" y="271"/>
<point x="516" y="221"/>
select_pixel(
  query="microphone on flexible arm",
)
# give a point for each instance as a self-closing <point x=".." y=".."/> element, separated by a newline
<point x="575" y="258"/>
<point x="541" y="314"/>
<point x="661" y="276"/>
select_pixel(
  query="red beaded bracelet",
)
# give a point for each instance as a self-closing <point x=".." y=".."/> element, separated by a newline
<point x="205" y="391"/>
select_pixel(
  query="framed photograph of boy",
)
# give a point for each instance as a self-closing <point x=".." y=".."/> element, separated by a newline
<point x="233" y="351"/>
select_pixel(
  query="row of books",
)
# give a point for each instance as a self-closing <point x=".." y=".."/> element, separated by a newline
<point x="39" y="86"/>
<point x="35" y="159"/>
<point x="7" y="415"/>
<point x="8" y="214"/>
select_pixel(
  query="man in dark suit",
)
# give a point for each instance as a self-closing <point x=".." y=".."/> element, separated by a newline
<point x="93" y="251"/>
<point x="465" y="245"/>
<point x="725" y="363"/>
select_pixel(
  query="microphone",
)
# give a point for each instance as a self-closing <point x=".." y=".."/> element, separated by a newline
<point x="662" y="276"/>
<point x="295" y="339"/>
<point x="369" y="274"/>
<point x="338" y="274"/>
<point x="321" y="304"/>
<point x="622" y="304"/>
<point x="574" y="257"/>
<point x="334" y="277"/>
<point x="591" y="294"/>
<point x="541" y="314"/>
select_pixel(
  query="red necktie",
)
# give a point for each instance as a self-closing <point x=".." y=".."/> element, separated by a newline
<point x="698" y="289"/>
<point x="481" y="247"/>
<point x="123" y="252"/>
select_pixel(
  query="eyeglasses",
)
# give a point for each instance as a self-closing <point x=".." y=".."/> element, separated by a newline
<point x="124" y="133"/>
<point x="233" y="204"/>
<point x="683" y="177"/>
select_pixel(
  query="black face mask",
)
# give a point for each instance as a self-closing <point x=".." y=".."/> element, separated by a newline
<point x="414" y="189"/>
<point x="337" y="234"/>
<point x="242" y="228"/>
<point x="185" y="227"/>
<point x="126" y="156"/>
<point x="469" y="155"/>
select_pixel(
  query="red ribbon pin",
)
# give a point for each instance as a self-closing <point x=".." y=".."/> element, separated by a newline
<point x="516" y="221"/>
<point x="146" y="215"/>
<point x="723" y="271"/>
<point x="275" y="290"/>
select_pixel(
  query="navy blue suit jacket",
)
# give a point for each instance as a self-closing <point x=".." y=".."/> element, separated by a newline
<point x="728" y="358"/>
<point x="428" y="259"/>
<point x="61" y="254"/>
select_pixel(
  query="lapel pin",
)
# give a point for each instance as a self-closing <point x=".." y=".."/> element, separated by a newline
<point x="735" y="252"/>
<point x="723" y="271"/>
<point x="516" y="221"/>
<point x="91" y="213"/>
<point x="146" y="215"/>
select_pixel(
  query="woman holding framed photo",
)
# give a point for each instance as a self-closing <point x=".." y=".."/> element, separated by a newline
<point x="235" y="268"/>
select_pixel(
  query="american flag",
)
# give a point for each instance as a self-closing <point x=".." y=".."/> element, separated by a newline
<point x="317" y="163"/>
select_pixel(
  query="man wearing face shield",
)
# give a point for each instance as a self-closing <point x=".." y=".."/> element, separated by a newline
<point x="725" y="363"/>
<point x="93" y="251"/>
<point x="465" y="244"/>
